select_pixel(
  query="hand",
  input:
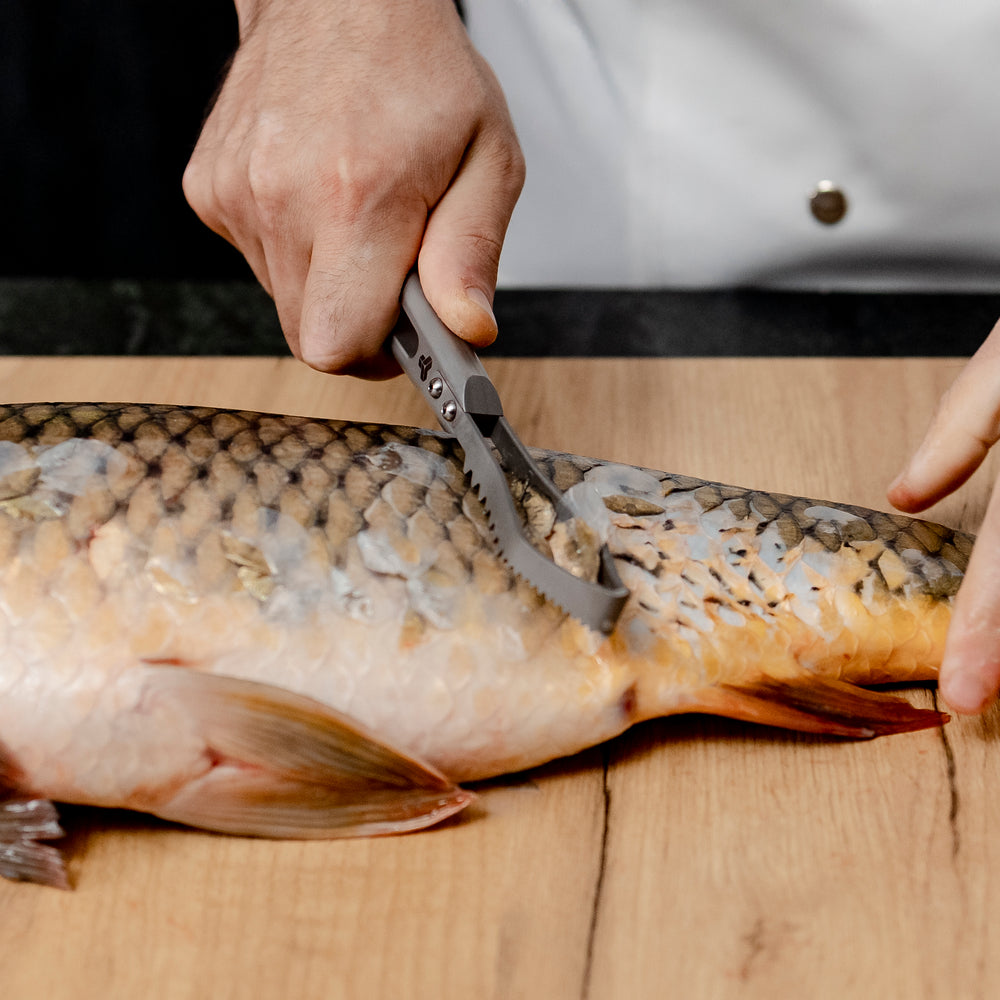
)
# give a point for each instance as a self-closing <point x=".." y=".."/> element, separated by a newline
<point x="350" y="140"/>
<point x="964" y="428"/>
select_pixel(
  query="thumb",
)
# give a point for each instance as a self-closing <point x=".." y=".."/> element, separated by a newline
<point x="461" y="247"/>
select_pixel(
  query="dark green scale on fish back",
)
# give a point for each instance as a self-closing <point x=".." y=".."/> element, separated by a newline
<point x="934" y="554"/>
<point x="221" y="458"/>
<point x="213" y="472"/>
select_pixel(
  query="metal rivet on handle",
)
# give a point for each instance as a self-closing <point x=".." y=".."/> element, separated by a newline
<point x="450" y="410"/>
<point x="435" y="387"/>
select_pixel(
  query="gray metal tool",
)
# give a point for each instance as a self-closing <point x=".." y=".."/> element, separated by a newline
<point x="453" y="381"/>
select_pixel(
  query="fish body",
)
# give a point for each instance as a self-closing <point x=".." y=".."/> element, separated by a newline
<point x="295" y="627"/>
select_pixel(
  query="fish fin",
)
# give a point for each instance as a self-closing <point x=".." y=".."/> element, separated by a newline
<point x="23" y="823"/>
<point x="819" y="705"/>
<point x="283" y="765"/>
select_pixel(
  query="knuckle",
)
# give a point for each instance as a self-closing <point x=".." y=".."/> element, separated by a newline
<point x="484" y="249"/>
<point x="353" y="185"/>
<point x="269" y="183"/>
<point x="196" y="186"/>
<point x="509" y="164"/>
<point x="215" y="189"/>
<point x="228" y="192"/>
<point x="500" y="153"/>
<point x="518" y="167"/>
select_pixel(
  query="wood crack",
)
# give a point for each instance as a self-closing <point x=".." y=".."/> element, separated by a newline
<point x="754" y="941"/>
<point x="951" y="772"/>
<point x="595" y="905"/>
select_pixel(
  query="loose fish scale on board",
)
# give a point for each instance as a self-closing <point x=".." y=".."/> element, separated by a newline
<point x="350" y="563"/>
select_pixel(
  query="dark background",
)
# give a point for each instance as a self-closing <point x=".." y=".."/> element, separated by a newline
<point x="101" y="102"/>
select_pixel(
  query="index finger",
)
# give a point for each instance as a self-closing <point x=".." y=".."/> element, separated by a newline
<point x="964" y="428"/>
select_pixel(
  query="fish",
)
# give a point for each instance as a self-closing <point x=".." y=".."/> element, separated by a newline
<point x="282" y="626"/>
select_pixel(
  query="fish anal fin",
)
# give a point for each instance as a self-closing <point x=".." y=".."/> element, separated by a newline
<point x="262" y="803"/>
<point x="24" y="824"/>
<point x="283" y="765"/>
<point x="818" y="705"/>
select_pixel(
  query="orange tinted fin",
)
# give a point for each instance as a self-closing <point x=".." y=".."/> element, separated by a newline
<point x="815" y="705"/>
<point x="287" y="766"/>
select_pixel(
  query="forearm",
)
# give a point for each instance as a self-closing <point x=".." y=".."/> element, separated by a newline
<point x="251" y="13"/>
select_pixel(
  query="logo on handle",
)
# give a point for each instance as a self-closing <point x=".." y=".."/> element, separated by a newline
<point x="424" y="361"/>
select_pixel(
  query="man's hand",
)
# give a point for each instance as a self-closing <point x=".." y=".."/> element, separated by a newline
<point x="965" y="427"/>
<point x="350" y="140"/>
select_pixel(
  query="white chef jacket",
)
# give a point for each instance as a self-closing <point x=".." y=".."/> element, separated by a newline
<point x="676" y="142"/>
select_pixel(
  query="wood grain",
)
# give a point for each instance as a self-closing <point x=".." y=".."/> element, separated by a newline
<point x="690" y="858"/>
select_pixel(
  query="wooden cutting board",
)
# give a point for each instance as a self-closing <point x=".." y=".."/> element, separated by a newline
<point x="690" y="858"/>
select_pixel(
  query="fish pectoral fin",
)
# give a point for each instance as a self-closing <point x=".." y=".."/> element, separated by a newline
<point x="24" y="823"/>
<point x="818" y="705"/>
<point x="283" y="765"/>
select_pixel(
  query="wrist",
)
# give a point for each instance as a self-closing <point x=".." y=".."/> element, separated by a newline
<point x="248" y="11"/>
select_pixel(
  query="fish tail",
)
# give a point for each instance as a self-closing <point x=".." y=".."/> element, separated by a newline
<point x="818" y="705"/>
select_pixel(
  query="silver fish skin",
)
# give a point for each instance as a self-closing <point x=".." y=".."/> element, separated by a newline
<point x="284" y="626"/>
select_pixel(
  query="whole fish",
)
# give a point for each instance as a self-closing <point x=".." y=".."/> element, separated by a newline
<point x="290" y="627"/>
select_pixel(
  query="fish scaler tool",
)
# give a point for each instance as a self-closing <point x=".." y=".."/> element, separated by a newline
<point x="454" y="382"/>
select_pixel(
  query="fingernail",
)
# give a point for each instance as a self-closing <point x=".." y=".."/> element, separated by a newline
<point x="966" y="692"/>
<point x="478" y="296"/>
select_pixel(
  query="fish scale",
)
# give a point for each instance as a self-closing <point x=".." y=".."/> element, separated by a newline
<point x="299" y="627"/>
